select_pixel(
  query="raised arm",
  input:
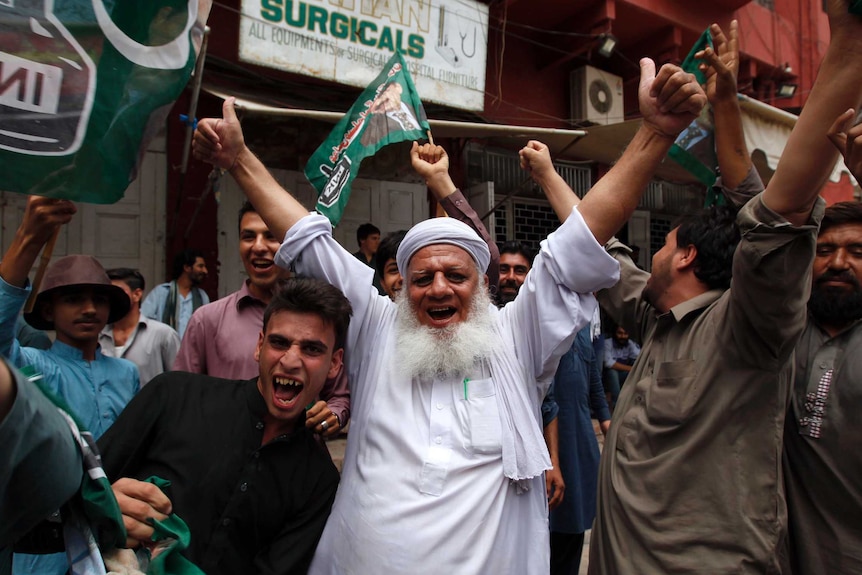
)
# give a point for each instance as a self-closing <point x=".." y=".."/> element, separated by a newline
<point x="721" y="67"/>
<point x="221" y="143"/>
<point x="42" y="217"/>
<point x="536" y="159"/>
<point x="432" y="163"/>
<point x="848" y="142"/>
<point x="808" y="157"/>
<point x="669" y="101"/>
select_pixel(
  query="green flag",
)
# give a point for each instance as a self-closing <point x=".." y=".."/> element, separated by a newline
<point x="387" y="111"/>
<point x="84" y="84"/>
<point x="694" y="148"/>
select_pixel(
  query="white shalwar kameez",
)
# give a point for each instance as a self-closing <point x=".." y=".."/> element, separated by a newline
<point x="422" y="487"/>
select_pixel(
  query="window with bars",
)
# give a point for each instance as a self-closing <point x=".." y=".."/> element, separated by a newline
<point x="527" y="217"/>
<point x="503" y="168"/>
<point x="659" y="227"/>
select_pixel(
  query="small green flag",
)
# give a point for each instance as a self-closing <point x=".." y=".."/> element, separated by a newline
<point x="388" y="111"/>
<point x="84" y="84"/>
<point x="694" y="148"/>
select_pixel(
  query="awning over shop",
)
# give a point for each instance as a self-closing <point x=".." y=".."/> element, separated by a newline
<point x="439" y="128"/>
<point x="766" y="130"/>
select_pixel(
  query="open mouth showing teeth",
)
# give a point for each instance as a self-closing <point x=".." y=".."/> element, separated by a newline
<point x="286" y="390"/>
<point x="441" y="313"/>
<point x="262" y="264"/>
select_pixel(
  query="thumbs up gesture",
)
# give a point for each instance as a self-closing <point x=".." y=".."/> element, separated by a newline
<point x="219" y="141"/>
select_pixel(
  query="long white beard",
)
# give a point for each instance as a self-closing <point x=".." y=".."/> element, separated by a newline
<point x="452" y="351"/>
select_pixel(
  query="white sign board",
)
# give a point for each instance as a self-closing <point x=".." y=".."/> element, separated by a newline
<point x="348" y="41"/>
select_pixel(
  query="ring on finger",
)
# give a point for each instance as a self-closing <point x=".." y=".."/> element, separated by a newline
<point x="324" y="425"/>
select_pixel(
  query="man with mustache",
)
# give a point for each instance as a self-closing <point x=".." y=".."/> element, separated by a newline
<point x="690" y="479"/>
<point x="456" y="206"/>
<point x="444" y="470"/>
<point x="174" y="302"/>
<point x="76" y="300"/>
<point x="823" y="428"/>
<point x="516" y="259"/>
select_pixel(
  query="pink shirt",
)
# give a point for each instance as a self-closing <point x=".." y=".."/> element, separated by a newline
<point x="221" y="338"/>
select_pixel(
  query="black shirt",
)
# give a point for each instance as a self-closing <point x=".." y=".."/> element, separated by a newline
<point x="250" y="508"/>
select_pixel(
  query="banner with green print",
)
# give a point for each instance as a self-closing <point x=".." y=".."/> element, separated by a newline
<point x="694" y="148"/>
<point x="84" y="86"/>
<point x="387" y="111"/>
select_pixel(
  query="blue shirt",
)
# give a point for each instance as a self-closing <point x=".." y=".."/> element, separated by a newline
<point x="154" y="305"/>
<point x="96" y="391"/>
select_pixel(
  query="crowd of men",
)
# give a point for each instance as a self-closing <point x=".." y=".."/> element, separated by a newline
<point x="469" y="373"/>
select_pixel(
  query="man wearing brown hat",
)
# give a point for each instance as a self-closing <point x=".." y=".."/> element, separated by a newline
<point x="77" y="300"/>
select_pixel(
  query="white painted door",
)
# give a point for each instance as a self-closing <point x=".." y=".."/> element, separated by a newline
<point x="390" y="206"/>
<point x="481" y="198"/>
<point x="639" y="235"/>
<point x="361" y="209"/>
<point x="129" y="233"/>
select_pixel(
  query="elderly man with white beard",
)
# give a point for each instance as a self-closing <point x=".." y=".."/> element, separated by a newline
<point x="444" y="462"/>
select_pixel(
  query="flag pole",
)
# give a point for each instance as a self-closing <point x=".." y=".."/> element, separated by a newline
<point x="193" y="105"/>
<point x="439" y="211"/>
<point x="190" y="127"/>
<point x="40" y="272"/>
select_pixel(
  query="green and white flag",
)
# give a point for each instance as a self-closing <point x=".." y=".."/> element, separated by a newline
<point x="694" y="148"/>
<point x="387" y="111"/>
<point x="84" y="84"/>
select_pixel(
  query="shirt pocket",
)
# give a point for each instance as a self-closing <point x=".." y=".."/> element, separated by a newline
<point x="483" y="431"/>
<point x="671" y="398"/>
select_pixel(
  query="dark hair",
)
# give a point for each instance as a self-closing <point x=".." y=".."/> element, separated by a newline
<point x="518" y="248"/>
<point x="714" y="234"/>
<point x="364" y="231"/>
<point x="187" y="257"/>
<point x="388" y="249"/>
<point x="132" y="278"/>
<point x="245" y="209"/>
<point x="309" y="295"/>
<point x="841" y="213"/>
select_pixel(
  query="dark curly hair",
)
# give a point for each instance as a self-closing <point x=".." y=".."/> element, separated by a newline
<point x="187" y="257"/>
<point x="388" y="249"/>
<point x="714" y="233"/>
<point x="314" y="296"/>
<point x="841" y="213"/>
<point x="365" y="230"/>
<point x="518" y="248"/>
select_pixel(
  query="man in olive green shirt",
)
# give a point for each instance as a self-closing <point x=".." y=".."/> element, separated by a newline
<point x="690" y="480"/>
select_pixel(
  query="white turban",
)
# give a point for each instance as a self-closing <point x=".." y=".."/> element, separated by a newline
<point x="442" y="231"/>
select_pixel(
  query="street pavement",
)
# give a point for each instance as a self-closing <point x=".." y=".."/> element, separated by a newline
<point x="336" y="450"/>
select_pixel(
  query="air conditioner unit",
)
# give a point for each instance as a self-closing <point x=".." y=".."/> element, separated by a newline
<point x="597" y="96"/>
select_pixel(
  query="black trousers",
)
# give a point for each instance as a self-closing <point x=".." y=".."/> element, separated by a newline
<point x="566" y="549"/>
